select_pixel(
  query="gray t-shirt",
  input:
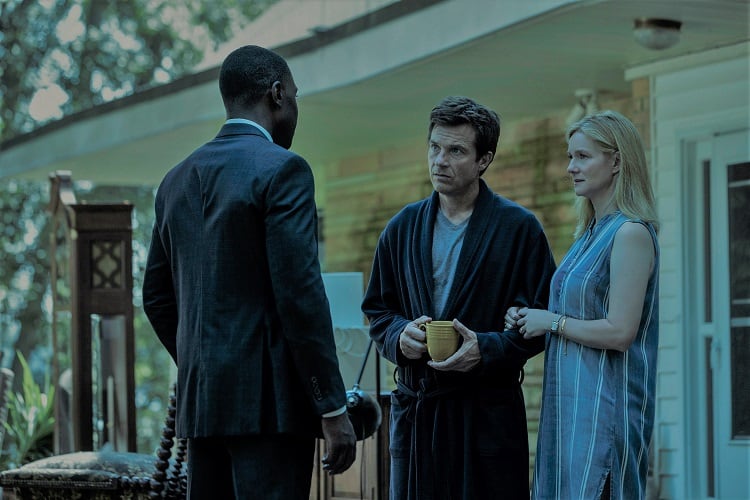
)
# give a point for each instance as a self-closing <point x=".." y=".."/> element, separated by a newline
<point x="447" y="240"/>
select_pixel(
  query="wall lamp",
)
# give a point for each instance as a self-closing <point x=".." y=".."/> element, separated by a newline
<point x="586" y="104"/>
<point x="656" y="34"/>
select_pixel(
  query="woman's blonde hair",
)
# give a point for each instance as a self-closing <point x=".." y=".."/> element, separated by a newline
<point x="634" y="196"/>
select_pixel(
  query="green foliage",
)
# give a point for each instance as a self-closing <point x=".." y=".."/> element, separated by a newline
<point x="85" y="52"/>
<point x="24" y="275"/>
<point x="31" y="420"/>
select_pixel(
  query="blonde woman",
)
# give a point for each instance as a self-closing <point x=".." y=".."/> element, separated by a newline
<point x="601" y="325"/>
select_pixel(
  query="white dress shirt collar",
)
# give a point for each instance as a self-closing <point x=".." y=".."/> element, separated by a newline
<point x="250" y="122"/>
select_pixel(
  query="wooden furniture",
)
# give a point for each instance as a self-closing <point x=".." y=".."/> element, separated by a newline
<point x="6" y="382"/>
<point x="92" y="327"/>
<point x="104" y="475"/>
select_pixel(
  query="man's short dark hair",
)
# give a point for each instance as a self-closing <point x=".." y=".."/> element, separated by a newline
<point x="247" y="73"/>
<point x="458" y="110"/>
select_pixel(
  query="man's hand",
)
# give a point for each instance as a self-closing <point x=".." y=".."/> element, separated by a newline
<point x="512" y="317"/>
<point x="412" y="339"/>
<point x="466" y="358"/>
<point x="341" y="444"/>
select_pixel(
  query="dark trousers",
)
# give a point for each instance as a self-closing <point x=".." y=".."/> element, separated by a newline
<point x="274" y="467"/>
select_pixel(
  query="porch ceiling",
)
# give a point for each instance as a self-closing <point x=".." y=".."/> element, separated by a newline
<point x="529" y="69"/>
<point x="523" y="71"/>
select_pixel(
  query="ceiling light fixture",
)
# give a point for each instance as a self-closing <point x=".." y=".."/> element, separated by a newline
<point x="656" y="34"/>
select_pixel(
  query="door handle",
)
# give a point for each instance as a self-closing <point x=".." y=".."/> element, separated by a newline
<point x="715" y="353"/>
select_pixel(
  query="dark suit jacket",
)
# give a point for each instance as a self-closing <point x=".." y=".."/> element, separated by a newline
<point x="233" y="290"/>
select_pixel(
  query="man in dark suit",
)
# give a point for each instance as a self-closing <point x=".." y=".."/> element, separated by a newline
<point x="234" y="292"/>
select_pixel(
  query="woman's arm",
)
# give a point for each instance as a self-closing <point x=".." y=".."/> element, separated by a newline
<point x="630" y="267"/>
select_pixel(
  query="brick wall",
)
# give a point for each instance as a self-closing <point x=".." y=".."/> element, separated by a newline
<point x="363" y="193"/>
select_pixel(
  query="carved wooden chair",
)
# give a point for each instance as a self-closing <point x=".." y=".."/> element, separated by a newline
<point x="105" y="475"/>
<point x="6" y="382"/>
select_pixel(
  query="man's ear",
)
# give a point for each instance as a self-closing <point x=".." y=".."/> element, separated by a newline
<point x="485" y="160"/>
<point x="277" y="92"/>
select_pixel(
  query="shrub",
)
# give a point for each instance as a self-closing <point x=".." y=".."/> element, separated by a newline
<point x="31" y="421"/>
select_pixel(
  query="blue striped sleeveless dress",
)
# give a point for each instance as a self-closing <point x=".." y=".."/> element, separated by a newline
<point x="597" y="405"/>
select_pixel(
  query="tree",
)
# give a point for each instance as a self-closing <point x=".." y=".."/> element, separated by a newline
<point x="24" y="273"/>
<point x="74" y="54"/>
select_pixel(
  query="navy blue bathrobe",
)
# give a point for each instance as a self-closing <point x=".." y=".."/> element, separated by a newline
<point x="460" y="435"/>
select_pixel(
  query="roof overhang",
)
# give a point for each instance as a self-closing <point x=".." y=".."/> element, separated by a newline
<point x="369" y="84"/>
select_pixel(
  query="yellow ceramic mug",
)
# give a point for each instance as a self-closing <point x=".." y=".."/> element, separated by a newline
<point x="442" y="339"/>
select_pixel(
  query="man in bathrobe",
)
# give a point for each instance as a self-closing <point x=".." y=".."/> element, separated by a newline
<point x="458" y="427"/>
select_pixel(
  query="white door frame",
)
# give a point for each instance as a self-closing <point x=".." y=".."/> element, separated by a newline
<point x="732" y="452"/>
<point x="716" y="462"/>
<point x="698" y="332"/>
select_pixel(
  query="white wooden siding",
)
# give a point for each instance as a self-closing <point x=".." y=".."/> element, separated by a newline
<point x="686" y="104"/>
